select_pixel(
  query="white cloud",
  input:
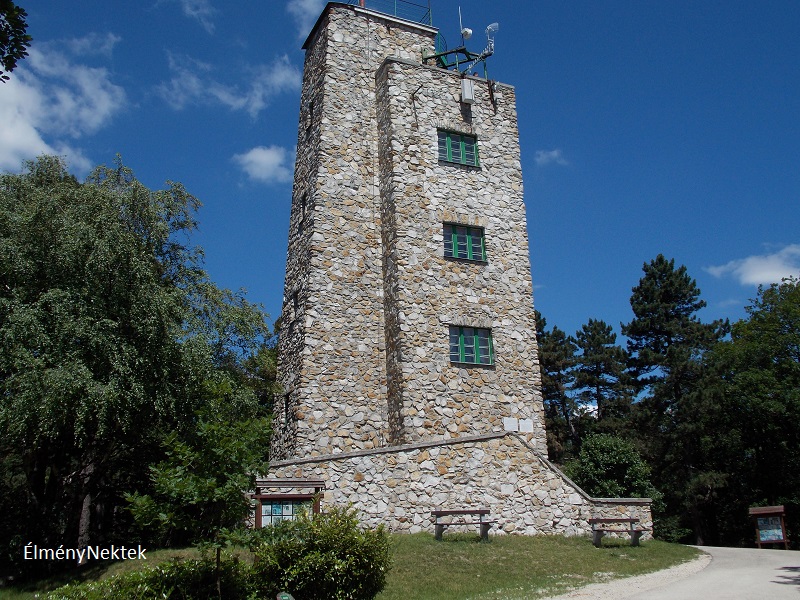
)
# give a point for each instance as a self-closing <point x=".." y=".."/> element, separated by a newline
<point x="270" y="164"/>
<point x="201" y="11"/>
<point x="186" y="85"/>
<point x="52" y="101"/>
<point x="550" y="157"/>
<point x="762" y="269"/>
<point x="93" y="44"/>
<point x="305" y="13"/>
<point x="193" y="83"/>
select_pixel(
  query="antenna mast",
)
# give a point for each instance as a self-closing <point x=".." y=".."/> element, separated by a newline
<point x="462" y="59"/>
<point x="489" y="50"/>
<point x="466" y="32"/>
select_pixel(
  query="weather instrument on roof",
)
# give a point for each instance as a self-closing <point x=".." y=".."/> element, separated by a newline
<point x="466" y="32"/>
<point x="461" y="59"/>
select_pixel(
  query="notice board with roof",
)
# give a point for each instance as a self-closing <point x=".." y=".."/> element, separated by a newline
<point x="770" y="525"/>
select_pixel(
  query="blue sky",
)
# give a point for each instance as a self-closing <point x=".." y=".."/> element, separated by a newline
<point x="646" y="127"/>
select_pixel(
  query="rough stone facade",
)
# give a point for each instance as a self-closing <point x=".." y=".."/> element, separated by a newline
<point x="332" y="344"/>
<point x="373" y="404"/>
<point x="400" y="485"/>
<point x="425" y="292"/>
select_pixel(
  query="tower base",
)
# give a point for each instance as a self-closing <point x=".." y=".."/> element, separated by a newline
<point x="399" y="486"/>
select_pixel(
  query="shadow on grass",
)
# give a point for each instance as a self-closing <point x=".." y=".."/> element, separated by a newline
<point x="91" y="571"/>
<point x="29" y="588"/>
<point x="463" y="538"/>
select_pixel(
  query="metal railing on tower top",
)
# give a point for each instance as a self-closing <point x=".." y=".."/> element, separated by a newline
<point x="418" y="12"/>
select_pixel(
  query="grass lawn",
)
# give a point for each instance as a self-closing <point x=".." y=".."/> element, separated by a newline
<point x="512" y="567"/>
<point x="461" y="566"/>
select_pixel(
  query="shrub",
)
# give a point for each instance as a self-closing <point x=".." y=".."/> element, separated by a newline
<point x="323" y="557"/>
<point x="184" y="580"/>
<point x="610" y="467"/>
<point x="317" y="557"/>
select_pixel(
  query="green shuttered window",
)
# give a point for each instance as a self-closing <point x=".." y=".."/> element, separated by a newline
<point x="464" y="242"/>
<point x="458" y="148"/>
<point x="471" y="345"/>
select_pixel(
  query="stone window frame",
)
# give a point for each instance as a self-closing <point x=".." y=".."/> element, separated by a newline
<point x="449" y="156"/>
<point x="303" y="208"/>
<point x="470" y="337"/>
<point x="451" y="236"/>
<point x="310" y="117"/>
<point x="287" y="409"/>
<point x="302" y="214"/>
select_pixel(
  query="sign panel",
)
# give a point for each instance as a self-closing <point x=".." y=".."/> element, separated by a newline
<point x="770" y="529"/>
<point x="770" y="525"/>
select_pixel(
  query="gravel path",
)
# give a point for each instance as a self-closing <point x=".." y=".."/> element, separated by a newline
<point x="630" y="586"/>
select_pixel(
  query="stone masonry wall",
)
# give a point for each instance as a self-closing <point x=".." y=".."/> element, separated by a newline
<point x="426" y="292"/>
<point x="400" y="486"/>
<point x="369" y="296"/>
<point x="292" y="342"/>
<point x="391" y="283"/>
<point x="333" y="364"/>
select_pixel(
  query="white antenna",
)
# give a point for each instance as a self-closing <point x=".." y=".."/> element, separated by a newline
<point x="489" y="50"/>
<point x="490" y="31"/>
<point x="466" y="32"/>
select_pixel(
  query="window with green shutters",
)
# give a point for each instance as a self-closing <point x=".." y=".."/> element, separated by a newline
<point x="471" y="345"/>
<point x="458" y="148"/>
<point x="464" y="242"/>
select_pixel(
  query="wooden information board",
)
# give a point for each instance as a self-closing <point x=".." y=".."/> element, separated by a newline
<point x="770" y="525"/>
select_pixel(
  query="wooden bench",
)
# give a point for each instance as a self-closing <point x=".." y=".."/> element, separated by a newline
<point x="629" y="525"/>
<point x="476" y="516"/>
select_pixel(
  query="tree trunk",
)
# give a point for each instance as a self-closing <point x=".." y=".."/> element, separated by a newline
<point x="219" y="584"/>
<point x="85" y="521"/>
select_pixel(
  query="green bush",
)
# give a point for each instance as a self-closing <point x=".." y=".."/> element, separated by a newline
<point x="178" y="580"/>
<point x="317" y="557"/>
<point x="610" y="467"/>
<point x="323" y="557"/>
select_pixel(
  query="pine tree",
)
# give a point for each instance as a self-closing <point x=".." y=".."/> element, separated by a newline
<point x="557" y="360"/>
<point x="666" y="339"/>
<point x="667" y="343"/>
<point x="600" y="377"/>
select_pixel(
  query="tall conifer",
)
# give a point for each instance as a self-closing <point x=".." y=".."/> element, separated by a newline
<point x="667" y="342"/>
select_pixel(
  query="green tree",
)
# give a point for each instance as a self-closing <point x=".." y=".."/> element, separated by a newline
<point x="667" y="343"/>
<point x="109" y="334"/>
<point x="260" y="373"/>
<point x="14" y="39"/>
<point x="197" y="494"/>
<point x="556" y="362"/>
<point x="198" y="490"/>
<point x="600" y="373"/>
<point x="666" y="339"/>
<point x="610" y="467"/>
<point x="759" y="407"/>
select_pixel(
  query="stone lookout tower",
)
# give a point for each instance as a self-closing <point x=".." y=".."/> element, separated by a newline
<point x="407" y="348"/>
